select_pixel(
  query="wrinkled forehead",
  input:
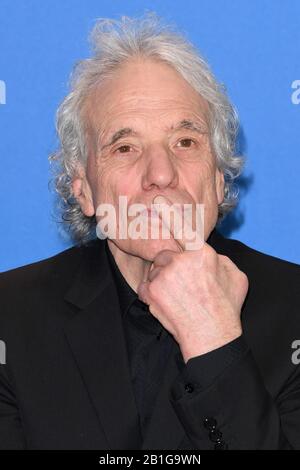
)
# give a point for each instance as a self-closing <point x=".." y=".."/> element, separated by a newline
<point x="153" y="93"/>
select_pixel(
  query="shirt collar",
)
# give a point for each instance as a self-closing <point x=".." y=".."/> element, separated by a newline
<point x="127" y="296"/>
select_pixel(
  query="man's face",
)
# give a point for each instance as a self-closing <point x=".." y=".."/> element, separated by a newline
<point x="166" y="152"/>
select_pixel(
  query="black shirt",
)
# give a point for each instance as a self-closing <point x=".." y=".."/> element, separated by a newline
<point x="148" y="344"/>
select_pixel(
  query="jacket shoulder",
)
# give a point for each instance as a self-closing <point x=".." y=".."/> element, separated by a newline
<point x="272" y="281"/>
<point x="54" y="267"/>
<point x="35" y="291"/>
<point x="254" y="260"/>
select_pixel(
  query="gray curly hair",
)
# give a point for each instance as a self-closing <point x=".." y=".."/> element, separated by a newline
<point x="113" y="43"/>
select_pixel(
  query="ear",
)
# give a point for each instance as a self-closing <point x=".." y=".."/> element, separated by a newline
<point x="83" y="193"/>
<point x="220" y="183"/>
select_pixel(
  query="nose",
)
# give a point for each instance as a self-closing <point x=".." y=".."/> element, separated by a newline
<point x="160" y="170"/>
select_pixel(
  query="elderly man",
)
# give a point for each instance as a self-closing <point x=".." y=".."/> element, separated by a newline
<point x="143" y="342"/>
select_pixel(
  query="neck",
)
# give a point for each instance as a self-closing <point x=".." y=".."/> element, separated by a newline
<point x="134" y="269"/>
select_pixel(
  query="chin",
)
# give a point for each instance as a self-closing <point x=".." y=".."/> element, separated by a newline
<point x="146" y="249"/>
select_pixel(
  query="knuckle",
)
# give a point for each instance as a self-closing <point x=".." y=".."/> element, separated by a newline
<point x="209" y="254"/>
<point x="243" y="276"/>
<point x="243" y="280"/>
<point x="226" y="260"/>
<point x="209" y="249"/>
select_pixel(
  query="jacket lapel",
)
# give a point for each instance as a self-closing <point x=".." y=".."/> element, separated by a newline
<point x="96" y="338"/>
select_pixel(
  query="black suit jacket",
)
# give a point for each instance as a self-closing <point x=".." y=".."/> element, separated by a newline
<point x="66" y="382"/>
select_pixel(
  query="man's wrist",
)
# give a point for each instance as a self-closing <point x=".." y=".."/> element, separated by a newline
<point x="201" y="371"/>
<point x="192" y="346"/>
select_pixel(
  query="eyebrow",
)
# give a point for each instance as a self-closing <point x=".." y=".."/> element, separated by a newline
<point x="184" y="124"/>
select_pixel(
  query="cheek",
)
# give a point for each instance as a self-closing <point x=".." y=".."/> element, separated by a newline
<point x="201" y="181"/>
<point x="114" y="181"/>
<point x="125" y="185"/>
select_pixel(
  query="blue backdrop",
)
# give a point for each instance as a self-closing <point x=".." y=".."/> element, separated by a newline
<point x="252" y="46"/>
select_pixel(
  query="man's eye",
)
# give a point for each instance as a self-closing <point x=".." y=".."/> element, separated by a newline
<point x="186" y="143"/>
<point x="123" y="149"/>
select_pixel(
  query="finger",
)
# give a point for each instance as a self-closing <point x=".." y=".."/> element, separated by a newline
<point x="148" y="269"/>
<point x="226" y="263"/>
<point x="179" y="222"/>
<point x="154" y="273"/>
<point x="163" y="258"/>
<point x="162" y="205"/>
<point x="142" y="292"/>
